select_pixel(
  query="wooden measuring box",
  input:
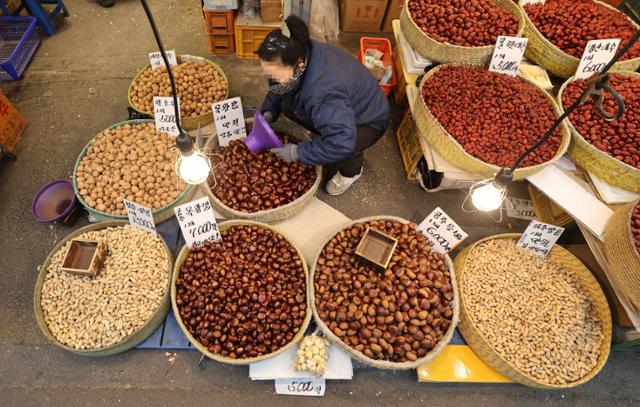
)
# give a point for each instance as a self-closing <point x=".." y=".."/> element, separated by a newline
<point x="376" y="248"/>
<point x="85" y="257"/>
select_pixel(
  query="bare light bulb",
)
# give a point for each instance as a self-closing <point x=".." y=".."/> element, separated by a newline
<point x="194" y="168"/>
<point x="488" y="197"/>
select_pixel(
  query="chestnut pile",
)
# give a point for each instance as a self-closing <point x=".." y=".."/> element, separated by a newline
<point x="468" y="23"/>
<point x="243" y="296"/>
<point x="253" y="182"/>
<point x="635" y="226"/>
<point x="398" y="315"/>
<point x="570" y="24"/>
<point x="619" y="138"/>
<point x="494" y="117"/>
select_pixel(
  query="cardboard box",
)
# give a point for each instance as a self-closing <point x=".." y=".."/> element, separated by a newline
<point x="393" y="13"/>
<point x="362" y="15"/>
<point x="12" y="125"/>
<point x="271" y="11"/>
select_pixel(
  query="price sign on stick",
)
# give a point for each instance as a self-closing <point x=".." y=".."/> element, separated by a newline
<point x="140" y="216"/>
<point x="525" y="2"/>
<point x="521" y="209"/>
<point x="442" y="233"/>
<point x="197" y="222"/>
<point x="156" y="59"/>
<point x="540" y="238"/>
<point x="301" y="387"/>
<point x="596" y="56"/>
<point x="229" y="120"/>
<point x="165" y="115"/>
<point x="507" y="55"/>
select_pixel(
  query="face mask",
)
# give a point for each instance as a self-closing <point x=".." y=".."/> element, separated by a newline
<point x="284" y="88"/>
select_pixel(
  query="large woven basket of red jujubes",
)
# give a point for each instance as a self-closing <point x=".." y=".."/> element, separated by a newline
<point x="559" y="30"/>
<point x="482" y="121"/>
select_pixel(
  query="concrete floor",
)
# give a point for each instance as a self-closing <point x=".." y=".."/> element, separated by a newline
<point x="75" y="87"/>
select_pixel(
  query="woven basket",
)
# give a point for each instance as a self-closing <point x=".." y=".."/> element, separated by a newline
<point x="159" y="215"/>
<point x="127" y="343"/>
<point x="601" y="164"/>
<point x="491" y="357"/>
<point x="541" y="51"/>
<point x="444" y="52"/>
<point x="182" y="256"/>
<point x="188" y="123"/>
<point x="438" y="138"/>
<point x="382" y="364"/>
<point x="271" y="215"/>
<point x="622" y="255"/>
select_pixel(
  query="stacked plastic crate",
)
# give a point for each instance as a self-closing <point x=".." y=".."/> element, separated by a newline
<point x="219" y="23"/>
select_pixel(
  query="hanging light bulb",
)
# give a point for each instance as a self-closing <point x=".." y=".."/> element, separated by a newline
<point x="194" y="168"/>
<point x="488" y="195"/>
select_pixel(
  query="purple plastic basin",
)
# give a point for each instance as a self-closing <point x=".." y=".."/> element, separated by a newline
<point x="54" y="202"/>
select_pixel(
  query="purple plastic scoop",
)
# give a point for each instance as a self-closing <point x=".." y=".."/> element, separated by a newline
<point x="54" y="202"/>
<point x="262" y="136"/>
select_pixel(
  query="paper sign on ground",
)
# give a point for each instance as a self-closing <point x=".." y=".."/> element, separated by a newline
<point x="540" y="238"/>
<point x="301" y="387"/>
<point x="156" y="59"/>
<point x="197" y="222"/>
<point x="521" y="209"/>
<point x="507" y="55"/>
<point x="442" y="233"/>
<point x="165" y="115"/>
<point x="140" y="216"/>
<point x="596" y="56"/>
<point x="229" y="119"/>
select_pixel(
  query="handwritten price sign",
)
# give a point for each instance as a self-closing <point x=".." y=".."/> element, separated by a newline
<point x="442" y="233"/>
<point x="197" y="222"/>
<point x="229" y="120"/>
<point x="301" y="387"/>
<point x="596" y="56"/>
<point x="156" y="59"/>
<point x="507" y="55"/>
<point x="165" y="115"/>
<point x="539" y="238"/>
<point x="140" y="216"/>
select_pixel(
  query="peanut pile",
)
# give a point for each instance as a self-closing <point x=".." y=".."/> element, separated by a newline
<point x="532" y="311"/>
<point x="91" y="313"/>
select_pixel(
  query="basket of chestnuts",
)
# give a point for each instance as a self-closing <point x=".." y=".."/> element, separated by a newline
<point x="397" y="318"/>
<point x="243" y="298"/>
<point x="199" y="83"/>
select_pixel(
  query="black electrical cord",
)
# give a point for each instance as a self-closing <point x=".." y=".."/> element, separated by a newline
<point x="575" y="104"/>
<point x="183" y="141"/>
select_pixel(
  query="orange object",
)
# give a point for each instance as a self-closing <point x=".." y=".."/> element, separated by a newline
<point x="219" y="21"/>
<point x="222" y="43"/>
<point x="458" y="363"/>
<point x="12" y="125"/>
<point x="383" y="45"/>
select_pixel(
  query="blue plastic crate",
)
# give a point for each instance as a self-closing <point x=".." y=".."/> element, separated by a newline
<point x="18" y="41"/>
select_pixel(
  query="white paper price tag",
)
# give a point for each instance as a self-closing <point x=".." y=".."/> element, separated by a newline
<point x="540" y="238"/>
<point x="521" y="209"/>
<point x="229" y="120"/>
<point x="197" y="222"/>
<point x="301" y="387"/>
<point x="442" y="233"/>
<point x="507" y="55"/>
<point x="165" y="115"/>
<point x="525" y="2"/>
<point x="140" y="216"/>
<point x="596" y="56"/>
<point x="156" y="59"/>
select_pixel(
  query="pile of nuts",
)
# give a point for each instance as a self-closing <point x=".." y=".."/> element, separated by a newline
<point x="494" y="117"/>
<point x="133" y="162"/>
<point x="198" y="84"/>
<point x="91" y="313"/>
<point x="312" y="355"/>
<point x="398" y="315"/>
<point x="635" y="226"/>
<point x="253" y="182"/>
<point x="619" y="138"/>
<point x="468" y="23"/>
<point x="245" y="295"/>
<point x="532" y="311"/>
<point x="570" y="24"/>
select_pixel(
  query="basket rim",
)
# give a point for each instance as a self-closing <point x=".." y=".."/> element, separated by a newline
<point x="179" y="58"/>
<point x="187" y="190"/>
<point x="606" y="333"/>
<point x="37" y="305"/>
<point x="563" y="128"/>
<point x="383" y="364"/>
<point x="578" y="138"/>
<point x="182" y="255"/>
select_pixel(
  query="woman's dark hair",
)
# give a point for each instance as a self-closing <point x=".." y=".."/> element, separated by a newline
<point x="288" y="49"/>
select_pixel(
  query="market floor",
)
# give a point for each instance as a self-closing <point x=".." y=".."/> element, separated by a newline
<point x="75" y="87"/>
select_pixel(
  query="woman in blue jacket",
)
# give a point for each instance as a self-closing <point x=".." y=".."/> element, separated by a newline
<point x="328" y="92"/>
